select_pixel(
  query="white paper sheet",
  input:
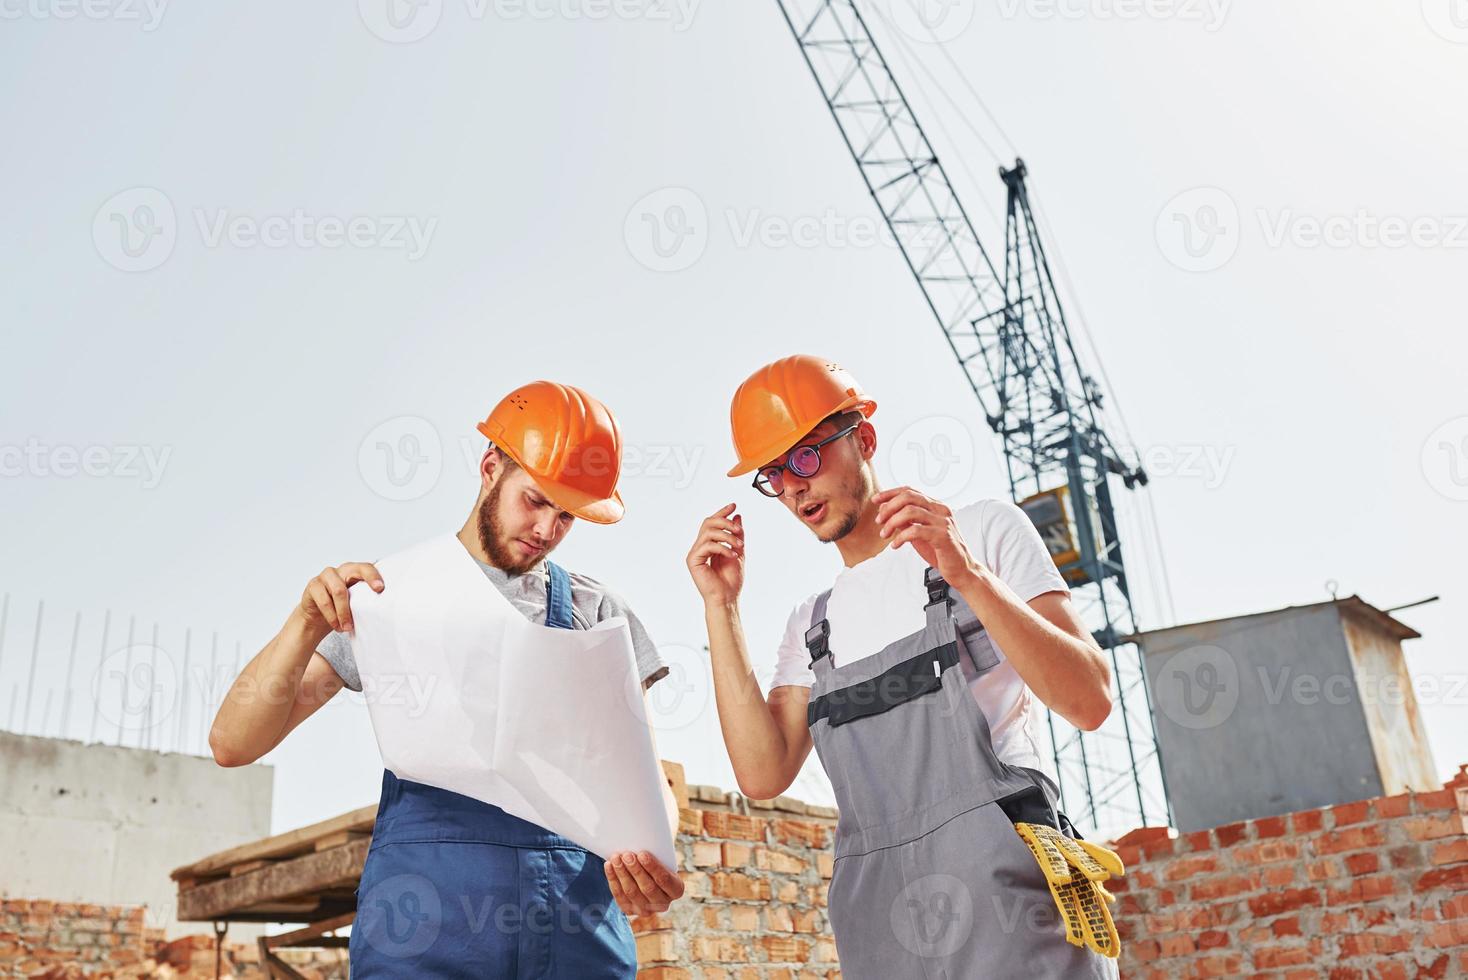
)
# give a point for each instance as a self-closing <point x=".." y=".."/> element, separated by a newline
<point x="468" y="695"/>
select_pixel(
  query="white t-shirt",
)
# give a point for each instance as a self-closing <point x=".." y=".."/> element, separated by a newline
<point x="882" y="598"/>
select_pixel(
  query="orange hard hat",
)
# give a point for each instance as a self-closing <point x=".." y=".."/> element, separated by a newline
<point x="567" y="441"/>
<point x="781" y="402"/>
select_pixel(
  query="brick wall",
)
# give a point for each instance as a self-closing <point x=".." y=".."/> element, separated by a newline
<point x="755" y="908"/>
<point x="1376" y="889"/>
<point x="48" y="940"/>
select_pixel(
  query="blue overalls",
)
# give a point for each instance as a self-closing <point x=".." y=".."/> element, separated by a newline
<point x="456" y="887"/>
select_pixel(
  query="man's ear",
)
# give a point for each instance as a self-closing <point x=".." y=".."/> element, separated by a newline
<point x="866" y="434"/>
<point x="491" y="466"/>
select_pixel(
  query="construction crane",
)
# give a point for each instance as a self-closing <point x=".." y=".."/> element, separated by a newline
<point x="1009" y="334"/>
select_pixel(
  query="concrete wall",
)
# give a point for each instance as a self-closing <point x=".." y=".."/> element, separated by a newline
<point x="1259" y="716"/>
<point x="104" y="825"/>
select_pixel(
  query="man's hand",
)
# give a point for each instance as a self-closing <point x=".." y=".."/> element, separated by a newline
<point x="907" y="516"/>
<point x="324" y="603"/>
<point x="716" y="561"/>
<point x="640" y="883"/>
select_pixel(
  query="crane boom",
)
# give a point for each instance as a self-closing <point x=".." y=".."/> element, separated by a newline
<point x="1008" y="332"/>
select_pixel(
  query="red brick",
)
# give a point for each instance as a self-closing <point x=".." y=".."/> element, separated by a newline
<point x="1274" y="903"/>
<point x="1390" y="807"/>
<point x="1453" y="876"/>
<point x="1270" y="827"/>
<point x="1349" y="813"/>
<point x="1443" y="799"/>
<point x="1362" y="864"/>
<point x="1231" y="833"/>
<point x="1350" y="839"/>
<point x="1307" y="821"/>
<point x="1450" y="852"/>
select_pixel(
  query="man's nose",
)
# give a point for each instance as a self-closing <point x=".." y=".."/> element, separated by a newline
<point x="545" y="528"/>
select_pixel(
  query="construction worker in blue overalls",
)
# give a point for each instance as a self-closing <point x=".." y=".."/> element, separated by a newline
<point x="917" y="678"/>
<point x="454" y="886"/>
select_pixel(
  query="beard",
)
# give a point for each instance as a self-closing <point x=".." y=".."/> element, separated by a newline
<point x="503" y="554"/>
<point x="854" y="492"/>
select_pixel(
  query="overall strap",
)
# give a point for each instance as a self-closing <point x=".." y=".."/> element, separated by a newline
<point x="818" y="637"/>
<point x="557" y="597"/>
<point x="940" y="603"/>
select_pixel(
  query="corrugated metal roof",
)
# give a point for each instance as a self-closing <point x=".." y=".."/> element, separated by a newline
<point x="1350" y="605"/>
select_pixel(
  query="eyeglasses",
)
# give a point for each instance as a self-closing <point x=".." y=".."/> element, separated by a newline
<point x="804" y="461"/>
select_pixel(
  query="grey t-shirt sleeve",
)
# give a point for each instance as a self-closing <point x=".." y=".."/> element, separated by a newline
<point x="337" y="649"/>
<point x="650" y="664"/>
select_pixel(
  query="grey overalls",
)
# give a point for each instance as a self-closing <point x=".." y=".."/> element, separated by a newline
<point x="931" y="879"/>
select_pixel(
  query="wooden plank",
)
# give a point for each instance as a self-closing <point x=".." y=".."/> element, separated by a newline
<point x="312" y="934"/>
<point x="338" y="839"/>
<point x="673" y="773"/>
<point x="281" y="845"/>
<point x="245" y="868"/>
<point x="339" y="867"/>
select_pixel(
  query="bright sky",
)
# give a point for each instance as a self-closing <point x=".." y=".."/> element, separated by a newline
<point x="270" y="263"/>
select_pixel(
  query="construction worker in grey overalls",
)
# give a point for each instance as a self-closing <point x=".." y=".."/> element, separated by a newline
<point x="952" y="860"/>
<point x="455" y="886"/>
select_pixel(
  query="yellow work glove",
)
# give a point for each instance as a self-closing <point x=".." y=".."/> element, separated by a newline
<point x="1075" y="869"/>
